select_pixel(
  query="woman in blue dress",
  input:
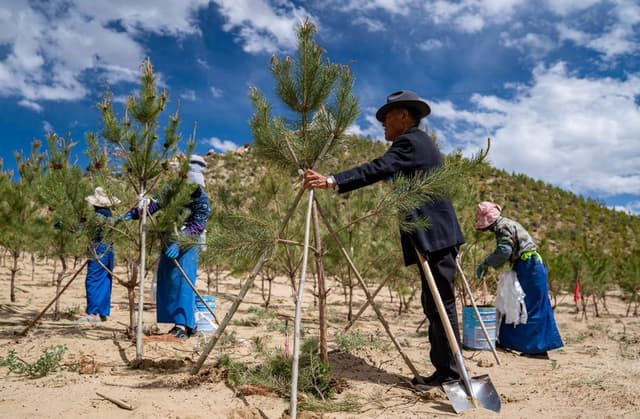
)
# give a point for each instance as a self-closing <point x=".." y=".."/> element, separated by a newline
<point x="98" y="282"/>
<point x="514" y="244"/>
<point x="175" y="300"/>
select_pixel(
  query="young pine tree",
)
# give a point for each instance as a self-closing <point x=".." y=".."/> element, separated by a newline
<point x="318" y="95"/>
<point x="62" y="188"/>
<point x="141" y="165"/>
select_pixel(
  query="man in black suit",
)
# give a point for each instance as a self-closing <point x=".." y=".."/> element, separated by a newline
<point x="413" y="152"/>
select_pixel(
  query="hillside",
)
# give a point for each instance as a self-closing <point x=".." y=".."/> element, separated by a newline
<point x="569" y="229"/>
<point x="552" y="215"/>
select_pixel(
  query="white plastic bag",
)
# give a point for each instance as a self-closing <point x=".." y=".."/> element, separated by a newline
<point x="510" y="299"/>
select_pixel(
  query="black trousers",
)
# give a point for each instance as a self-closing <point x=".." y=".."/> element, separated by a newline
<point x="443" y="268"/>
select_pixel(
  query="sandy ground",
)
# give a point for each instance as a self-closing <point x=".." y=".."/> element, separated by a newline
<point x="596" y="374"/>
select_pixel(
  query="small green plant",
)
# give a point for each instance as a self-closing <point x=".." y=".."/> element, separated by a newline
<point x="228" y="339"/>
<point x="72" y="311"/>
<point x="577" y="339"/>
<point x="261" y="313"/>
<point x="250" y="322"/>
<point x="350" y="403"/>
<point x="597" y="327"/>
<point x="351" y="340"/>
<point x="260" y="343"/>
<point x="588" y="382"/>
<point x="276" y="326"/>
<point x="48" y="362"/>
<point x="314" y="377"/>
<point x="236" y="371"/>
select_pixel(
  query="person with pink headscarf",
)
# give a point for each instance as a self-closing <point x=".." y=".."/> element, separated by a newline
<point x="514" y="244"/>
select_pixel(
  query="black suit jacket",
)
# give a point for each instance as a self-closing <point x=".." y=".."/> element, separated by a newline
<point x="412" y="152"/>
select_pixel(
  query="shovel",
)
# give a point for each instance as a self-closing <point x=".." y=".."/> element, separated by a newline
<point x="468" y="393"/>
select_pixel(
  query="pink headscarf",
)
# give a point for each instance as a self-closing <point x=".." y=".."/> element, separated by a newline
<point x="486" y="214"/>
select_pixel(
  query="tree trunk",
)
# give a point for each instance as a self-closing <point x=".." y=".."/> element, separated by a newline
<point x="604" y="303"/>
<point x="53" y="275"/>
<point x="14" y="271"/>
<point x="56" y="310"/>
<point x="268" y="300"/>
<point x="350" y="305"/>
<point x="218" y="271"/>
<point x="33" y="267"/>
<point x="322" y="292"/>
<point x="131" y="297"/>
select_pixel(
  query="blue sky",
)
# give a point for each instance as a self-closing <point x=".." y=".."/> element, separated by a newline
<point x="554" y="83"/>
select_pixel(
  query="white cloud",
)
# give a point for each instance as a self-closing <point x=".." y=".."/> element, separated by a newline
<point x="216" y="92"/>
<point x="400" y="7"/>
<point x="532" y="45"/>
<point x="189" y="95"/>
<point x="371" y="129"/>
<point x="471" y="15"/>
<point x="470" y="23"/>
<point x="565" y="7"/>
<point x="617" y="38"/>
<point x="372" y="25"/>
<point x="65" y="38"/>
<point x="167" y="17"/>
<point x="31" y="105"/>
<point x="261" y="26"/>
<point x="221" y="145"/>
<point x="430" y="45"/>
<point x="562" y="128"/>
<point x="632" y="207"/>
<point x="47" y="127"/>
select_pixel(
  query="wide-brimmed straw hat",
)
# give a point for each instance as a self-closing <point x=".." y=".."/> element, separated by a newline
<point x="486" y="214"/>
<point x="404" y="99"/>
<point x="101" y="199"/>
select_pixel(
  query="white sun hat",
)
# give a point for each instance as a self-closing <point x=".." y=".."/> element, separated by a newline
<point x="101" y="199"/>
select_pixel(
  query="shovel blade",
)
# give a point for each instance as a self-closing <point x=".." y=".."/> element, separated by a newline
<point x="483" y="391"/>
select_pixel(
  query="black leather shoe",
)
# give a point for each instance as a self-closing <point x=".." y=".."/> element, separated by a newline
<point x="539" y="355"/>
<point x="192" y="331"/>
<point x="179" y="332"/>
<point x="434" y="380"/>
<point x="423" y="380"/>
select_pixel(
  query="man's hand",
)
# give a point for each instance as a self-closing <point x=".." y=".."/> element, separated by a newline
<point x="314" y="180"/>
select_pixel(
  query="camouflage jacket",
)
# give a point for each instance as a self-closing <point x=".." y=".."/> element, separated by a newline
<point x="512" y="240"/>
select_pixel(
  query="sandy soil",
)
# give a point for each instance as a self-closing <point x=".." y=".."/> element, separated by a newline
<point x="596" y="374"/>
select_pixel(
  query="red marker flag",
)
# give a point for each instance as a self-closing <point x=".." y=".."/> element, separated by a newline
<point x="576" y="292"/>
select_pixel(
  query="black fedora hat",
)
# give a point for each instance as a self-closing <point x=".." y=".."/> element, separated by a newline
<point x="404" y="99"/>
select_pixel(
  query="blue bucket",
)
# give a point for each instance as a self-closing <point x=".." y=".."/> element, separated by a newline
<point x="472" y="335"/>
<point x="205" y="322"/>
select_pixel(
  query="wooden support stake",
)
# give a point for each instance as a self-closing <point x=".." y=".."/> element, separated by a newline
<point x="117" y="402"/>
<point x="34" y="321"/>
<point x="363" y="285"/>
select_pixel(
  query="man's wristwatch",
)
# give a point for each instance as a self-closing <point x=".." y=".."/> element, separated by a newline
<point x="331" y="182"/>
